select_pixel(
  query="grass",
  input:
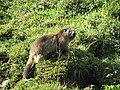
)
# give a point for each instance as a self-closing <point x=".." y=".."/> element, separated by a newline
<point x="94" y="52"/>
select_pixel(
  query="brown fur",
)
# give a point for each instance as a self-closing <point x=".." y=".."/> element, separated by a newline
<point x="44" y="45"/>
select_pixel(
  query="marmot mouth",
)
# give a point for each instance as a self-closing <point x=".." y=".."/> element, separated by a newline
<point x="73" y="36"/>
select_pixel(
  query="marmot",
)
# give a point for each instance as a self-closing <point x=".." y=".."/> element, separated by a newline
<point x="47" y="45"/>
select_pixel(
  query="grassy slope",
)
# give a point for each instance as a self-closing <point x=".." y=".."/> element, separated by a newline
<point x="94" y="52"/>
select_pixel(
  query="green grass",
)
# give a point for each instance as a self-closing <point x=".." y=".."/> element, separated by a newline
<point x="32" y="85"/>
<point x="93" y="60"/>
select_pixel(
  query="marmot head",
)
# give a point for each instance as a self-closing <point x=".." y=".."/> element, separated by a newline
<point x="68" y="33"/>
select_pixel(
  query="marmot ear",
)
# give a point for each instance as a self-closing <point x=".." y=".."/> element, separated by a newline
<point x="65" y="30"/>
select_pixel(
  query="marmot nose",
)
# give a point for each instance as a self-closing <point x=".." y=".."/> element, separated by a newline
<point x="74" y="34"/>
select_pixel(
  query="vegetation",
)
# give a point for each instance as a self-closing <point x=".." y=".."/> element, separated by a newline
<point x="93" y="61"/>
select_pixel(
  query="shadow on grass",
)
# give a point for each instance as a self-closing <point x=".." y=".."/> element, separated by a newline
<point x="6" y="36"/>
<point x="88" y="70"/>
<point x="3" y="59"/>
<point x="104" y="50"/>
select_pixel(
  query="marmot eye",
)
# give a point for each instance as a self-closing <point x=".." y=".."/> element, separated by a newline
<point x="65" y="30"/>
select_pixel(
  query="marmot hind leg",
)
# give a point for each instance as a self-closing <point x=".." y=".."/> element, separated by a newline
<point x="38" y="58"/>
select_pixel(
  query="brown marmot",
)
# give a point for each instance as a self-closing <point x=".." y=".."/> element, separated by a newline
<point x="47" y="45"/>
